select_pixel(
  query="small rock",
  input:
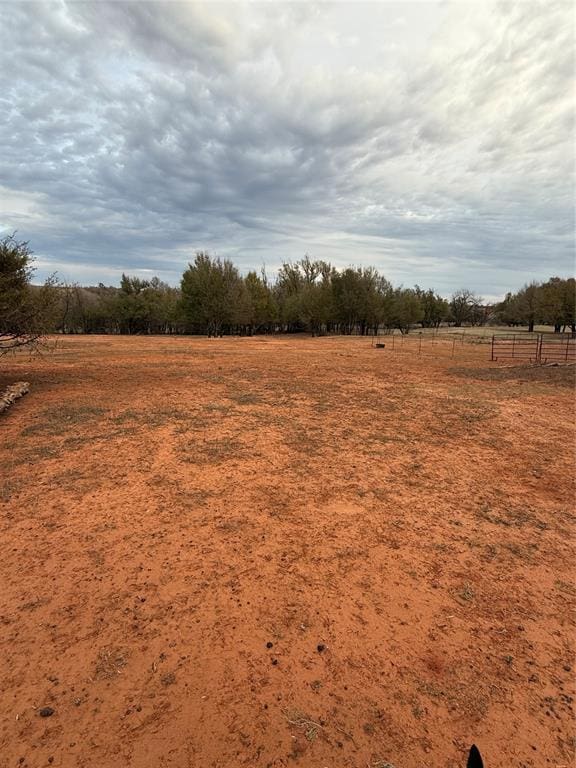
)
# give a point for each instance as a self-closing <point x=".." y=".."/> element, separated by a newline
<point x="321" y="647"/>
<point x="274" y="662"/>
<point x="46" y="712"/>
<point x="269" y="644"/>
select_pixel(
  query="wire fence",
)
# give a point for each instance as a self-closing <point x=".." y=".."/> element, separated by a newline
<point x="531" y="348"/>
<point x="434" y="344"/>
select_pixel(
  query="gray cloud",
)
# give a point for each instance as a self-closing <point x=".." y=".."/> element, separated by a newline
<point x="135" y="133"/>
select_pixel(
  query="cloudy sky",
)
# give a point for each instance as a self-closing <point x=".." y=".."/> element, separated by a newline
<point x="434" y="140"/>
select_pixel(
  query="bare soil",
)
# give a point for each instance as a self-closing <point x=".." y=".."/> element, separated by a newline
<point x="284" y="552"/>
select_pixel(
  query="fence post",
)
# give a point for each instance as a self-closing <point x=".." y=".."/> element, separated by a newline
<point x="539" y="348"/>
<point x="453" y="345"/>
<point x="492" y="355"/>
<point x="420" y="344"/>
<point x="566" y="354"/>
<point x="513" y="344"/>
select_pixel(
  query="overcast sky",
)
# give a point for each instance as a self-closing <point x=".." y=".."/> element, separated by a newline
<point x="434" y="140"/>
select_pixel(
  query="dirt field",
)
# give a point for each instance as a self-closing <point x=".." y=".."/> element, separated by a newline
<point x="284" y="552"/>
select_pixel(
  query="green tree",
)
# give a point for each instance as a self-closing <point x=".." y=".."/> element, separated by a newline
<point x="214" y="297"/>
<point x="406" y="309"/>
<point x="348" y="299"/>
<point x="27" y="312"/>
<point x="556" y="303"/>
<point x="529" y="301"/>
<point x="262" y="309"/>
<point x="508" y="311"/>
<point x="315" y="305"/>
<point x="435" y="309"/>
<point x="303" y="293"/>
<point x="144" y="306"/>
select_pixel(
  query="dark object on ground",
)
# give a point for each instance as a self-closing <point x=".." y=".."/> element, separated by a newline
<point x="474" y="759"/>
<point x="46" y="712"/>
<point x="380" y="346"/>
<point x="269" y="644"/>
<point x="321" y="647"/>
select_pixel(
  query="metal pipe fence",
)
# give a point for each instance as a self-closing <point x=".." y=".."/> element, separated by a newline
<point x="542" y="349"/>
<point x="531" y="348"/>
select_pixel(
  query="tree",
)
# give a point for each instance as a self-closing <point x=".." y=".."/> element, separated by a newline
<point x="312" y="308"/>
<point x="315" y="301"/>
<point x="27" y="312"/>
<point x="262" y="311"/>
<point x="529" y="304"/>
<point x="348" y="298"/>
<point x="303" y="295"/>
<point x="376" y="300"/>
<point x="508" y="311"/>
<point x="435" y="309"/>
<point x="144" y="306"/>
<point x="361" y="300"/>
<point x="214" y="297"/>
<point x="465" y="307"/>
<point x="557" y="299"/>
<point x="287" y="290"/>
<point x="406" y="309"/>
<point x="570" y="303"/>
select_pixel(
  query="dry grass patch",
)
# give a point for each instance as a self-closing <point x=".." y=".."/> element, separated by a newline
<point x="60" y="419"/>
<point x="110" y="663"/>
<point x="211" y="451"/>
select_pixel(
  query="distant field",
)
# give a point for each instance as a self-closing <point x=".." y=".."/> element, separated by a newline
<point x="491" y="330"/>
<point x="285" y="551"/>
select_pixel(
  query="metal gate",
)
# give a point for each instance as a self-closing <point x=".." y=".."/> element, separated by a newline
<point x="541" y="349"/>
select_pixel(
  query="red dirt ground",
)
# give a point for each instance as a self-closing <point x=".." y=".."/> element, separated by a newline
<point x="284" y="552"/>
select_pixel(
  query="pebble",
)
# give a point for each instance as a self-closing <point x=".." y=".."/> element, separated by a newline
<point x="321" y="647"/>
<point x="46" y="712"/>
<point x="269" y="644"/>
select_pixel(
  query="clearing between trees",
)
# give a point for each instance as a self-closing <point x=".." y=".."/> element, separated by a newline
<point x="277" y="551"/>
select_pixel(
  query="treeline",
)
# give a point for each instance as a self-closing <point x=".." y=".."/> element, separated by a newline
<point x="313" y="296"/>
<point x="215" y="299"/>
<point x="138" y="306"/>
<point x="550" y="303"/>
